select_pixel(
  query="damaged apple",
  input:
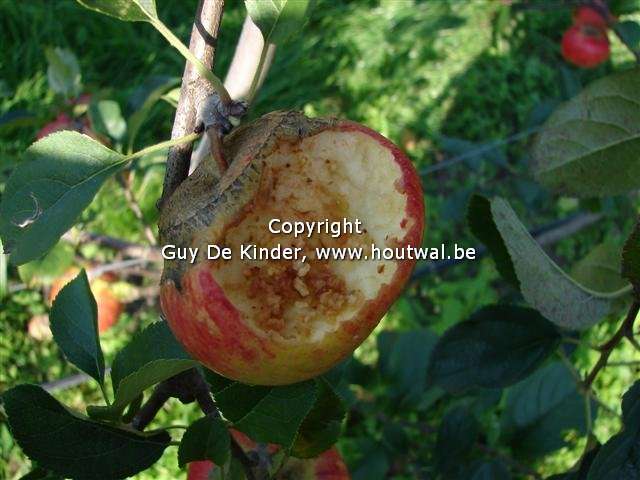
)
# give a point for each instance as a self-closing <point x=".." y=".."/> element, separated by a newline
<point x="270" y="321"/>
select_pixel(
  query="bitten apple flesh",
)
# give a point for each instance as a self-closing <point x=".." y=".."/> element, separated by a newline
<point x="273" y="322"/>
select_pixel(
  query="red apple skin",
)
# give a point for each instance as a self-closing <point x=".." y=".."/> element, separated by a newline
<point x="80" y="124"/>
<point x="327" y="466"/>
<point x="213" y="331"/>
<point x="62" y="122"/>
<point x="199" y="470"/>
<point x="585" y="46"/>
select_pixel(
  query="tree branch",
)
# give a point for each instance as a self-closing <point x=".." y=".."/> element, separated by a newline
<point x="194" y="89"/>
<point x="151" y="407"/>
<point x="189" y="386"/>
<point x="203" y="397"/>
<point x="240" y="76"/>
<point x="625" y="330"/>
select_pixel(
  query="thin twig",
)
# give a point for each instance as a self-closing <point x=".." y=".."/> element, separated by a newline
<point x="482" y="149"/>
<point x="125" y="183"/>
<point x="630" y="363"/>
<point x="152" y="406"/>
<point x="194" y="89"/>
<point x="243" y="69"/>
<point x="203" y="397"/>
<point x="188" y="386"/>
<point x="625" y="330"/>
<point x="123" y="246"/>
<point x="546" y="235"/>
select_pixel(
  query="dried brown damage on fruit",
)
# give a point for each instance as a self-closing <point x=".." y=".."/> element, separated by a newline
<point x="204" y="198"/>
<point x="309" y="181"/>
<point x="288" y="296"/>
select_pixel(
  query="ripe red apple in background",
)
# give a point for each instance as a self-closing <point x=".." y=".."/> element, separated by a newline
<point x="327" y="466"/>
<point x="109" y="306"/>
<point x="64" y="121"/>
<point x="585" y="46"/>
<point x="274" y="322"/>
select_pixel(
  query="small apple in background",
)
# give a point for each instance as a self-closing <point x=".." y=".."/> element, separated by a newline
<point x="38" y="328"/>
<point x="276" y="322"/>
<point x="586" y="44"/>
<point x="327" y="466"/>
<point x="109" y="305"/>
<point x="77" y="120"/>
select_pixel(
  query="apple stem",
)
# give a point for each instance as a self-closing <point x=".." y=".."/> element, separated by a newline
<point x="151" y="408"/>
<point x="190" y="386"/>
<point x="215" y="144"/>
<point x="216" y="118"/>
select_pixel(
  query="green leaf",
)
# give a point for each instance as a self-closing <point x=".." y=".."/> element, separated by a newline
<point x="373" y="463"/>
<point x="322" y="426"/>
<point x="479" y="218"/>
<point x="278" y="20"/>
<point x="40" y="474"/>
<point x="107" y="118"/>
<point x="216" y="381"/>
<point x="403" y="361"/>
<point x="590" y="146"/>
<point x="127" y="10"/>
<point x="629" y="32"/>
<point x="63" y="72"/>
<point x="237" y="400"/>
<point x="156" y="342"/>
<point x="540" y="409"/>
<point x="205" y="439"/>
<point x="544" y="285"/>
<point x="268" y="414"/>
<point x="74" y="324"/>
<point x="153" y="90"/>
<point x="581" y="470"/>
<point x="496" y="347"/>
<point x="74" y="446"/>
<point x="46" y="192"/>
<point x="172" y="97"/>
<point x="489" y="470"/>
<point x="456" y="436"/>
<point x="621" y="7"/>
<point x="617" y="459"/>
<point x="151" y="357"/>
<point x="631" y="259"/>
<point x="600" y="269"/>
<point x="395" y="438"/>
<point x="12" y="120"/>
<point x="4" y="265"/>
<point x="631" y="407"/>
<point x="49" y="267"/>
